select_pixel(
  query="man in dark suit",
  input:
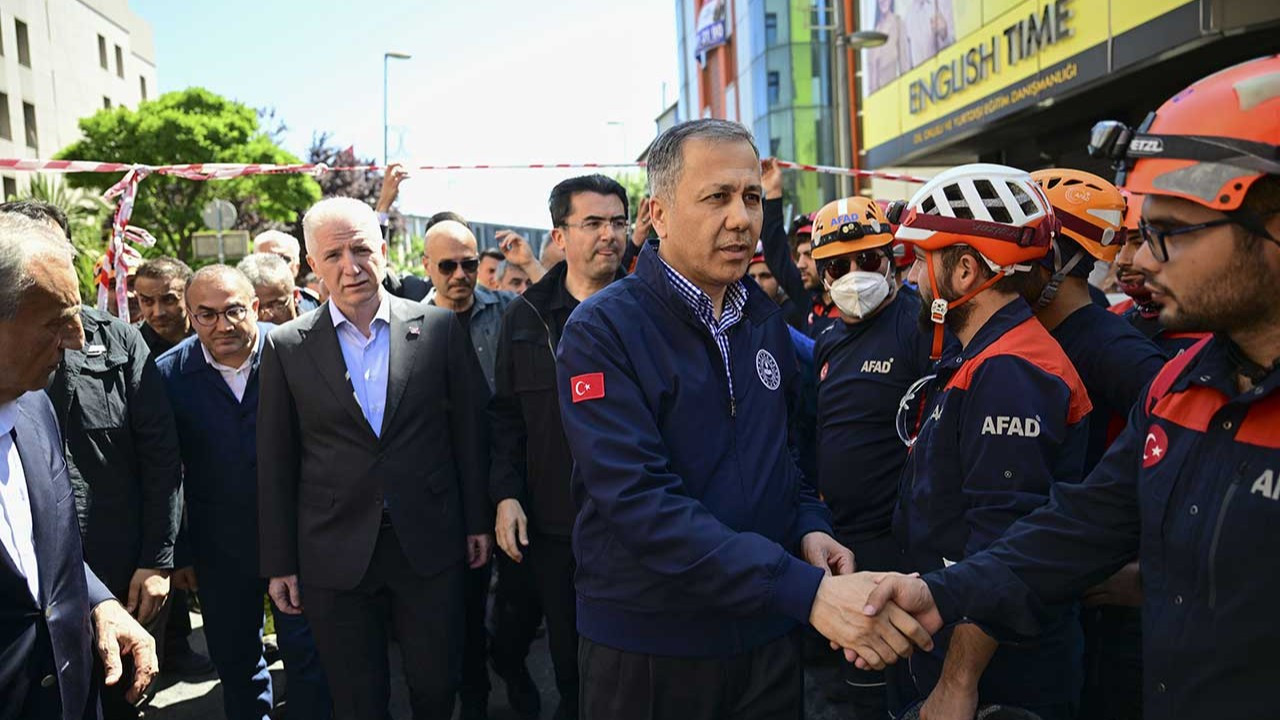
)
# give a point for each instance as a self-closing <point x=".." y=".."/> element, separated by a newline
<point x="370" y="480"/>
<point x="51" y="604"/>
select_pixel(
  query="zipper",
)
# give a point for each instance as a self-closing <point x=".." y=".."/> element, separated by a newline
<point x="1217" y="535"/>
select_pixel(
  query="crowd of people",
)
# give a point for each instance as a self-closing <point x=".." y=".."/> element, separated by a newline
<point x="700" y="445"/>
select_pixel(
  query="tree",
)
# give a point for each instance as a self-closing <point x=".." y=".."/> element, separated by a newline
<point x="87" y="215"/>
<point x="363" y="185"/>
<point x="637" y="185"/>
<point x="192" y="126"/>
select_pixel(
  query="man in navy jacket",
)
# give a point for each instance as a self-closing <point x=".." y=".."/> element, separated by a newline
<point x="674" y="387"/>
<point x="212" y="380"/>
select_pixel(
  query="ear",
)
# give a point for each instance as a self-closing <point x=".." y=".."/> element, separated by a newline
<point x="254" y="304"/>
<point x="967" y="274"/>
<point x="557" y="236"/>
<point x="659" y="215"/>
<point x="313" y="264"/>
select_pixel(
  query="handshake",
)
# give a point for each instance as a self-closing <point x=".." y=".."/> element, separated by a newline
<point x="876" y="618"/>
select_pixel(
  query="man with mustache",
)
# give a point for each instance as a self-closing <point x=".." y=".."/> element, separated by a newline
<point x="1190" y="485"/>
<point x="789" y="256"/>
<point x="674" y="386"/>
<point x="531" y="463"/>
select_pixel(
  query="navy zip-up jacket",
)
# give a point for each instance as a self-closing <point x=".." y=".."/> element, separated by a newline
<point x="1006" y="421"/>
<point x="1192" y="485"/>
<point x="690" y="505"/>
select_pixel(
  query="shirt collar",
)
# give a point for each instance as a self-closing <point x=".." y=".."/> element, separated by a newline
<point x="8" y="417"/>
<point x="383" y="313"/>
<point x="735" y="296"/>
<point x="257" y="348"/>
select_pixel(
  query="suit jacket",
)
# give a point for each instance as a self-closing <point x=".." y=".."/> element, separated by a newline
<point x="46" y="643"/>
<point x="323" y="475"/>
<point x="121" y="450"/>
<point x="218" y="436"/>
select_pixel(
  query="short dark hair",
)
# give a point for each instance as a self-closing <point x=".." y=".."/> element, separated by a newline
<point x="492" y="253"/>
<point x="164" y="268"/>
<point x="561" y="200"/>
<point x="40" y="212"/>
<point x="1016" y="284"/>
<point x="443" y="216"/>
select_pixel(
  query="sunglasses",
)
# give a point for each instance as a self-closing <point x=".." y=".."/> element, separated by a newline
<point x="448" y="267"/>
<point x="867" y="261"/>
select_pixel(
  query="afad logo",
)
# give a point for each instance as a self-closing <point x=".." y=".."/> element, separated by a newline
<point x="1156" y="446"/>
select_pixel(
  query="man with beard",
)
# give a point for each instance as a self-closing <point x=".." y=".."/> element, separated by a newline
<point x="866" y="363"/>
<point x="789" y="256"/>
<point x="1002" y="422"/>
<point x="1191" y="484"/>
<point x="674" y="385"/>
<point x="1139" y="310"/>
<point x="531" y="463"/>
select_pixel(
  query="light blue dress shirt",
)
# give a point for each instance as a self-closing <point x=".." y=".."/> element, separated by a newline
<point x="367" y="359"/>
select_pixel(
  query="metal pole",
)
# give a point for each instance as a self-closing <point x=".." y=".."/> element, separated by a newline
<point x="841" y="91"/>
<point x="222" y="253"/>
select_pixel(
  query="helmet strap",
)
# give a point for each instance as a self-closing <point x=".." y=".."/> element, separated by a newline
<point x="939" y="308"/>
<point x="1055" y="283"/>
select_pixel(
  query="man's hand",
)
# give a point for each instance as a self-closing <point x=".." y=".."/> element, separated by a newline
<point x="184" y="579"/>
<point x="1123" y="589"/>
<point x="771" y="178"/>
<point x="479" y="550"/>
<point x="821" y="550"/>
<point x="949" y="701"/>
<point x="512" y="528"/>
<point x="391" y="180"/>
<point x="908" y="593"/>
<point x="878" y="640"/>
<point x="519" y="252"/>
<point x="285" y="594"/>
<point x="644" y="222"/>
<point x="148" y="592"/>
<point x="119" y="635"/>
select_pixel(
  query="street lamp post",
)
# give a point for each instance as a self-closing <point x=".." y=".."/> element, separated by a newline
<point x="845" y="43"/>
<point x="385" y="57"/>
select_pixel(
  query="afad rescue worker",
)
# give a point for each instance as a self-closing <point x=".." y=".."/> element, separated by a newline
<point x="699" y="547"/>
<point x="865" y="365"/>
<point x="1004" y="422"/>
<point x="1139" y="310"/>
<point x="1115" y="362"/>
<point x="1193" y="482"/>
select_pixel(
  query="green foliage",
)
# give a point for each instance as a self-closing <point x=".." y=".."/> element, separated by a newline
<point x="637" y="185"/>
<point x="89" y="217"/>
<point x="192" y="126"/>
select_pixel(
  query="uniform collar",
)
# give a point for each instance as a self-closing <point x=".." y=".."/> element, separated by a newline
<point x="1013" y="314"/>
<point x="1213" y="367"/>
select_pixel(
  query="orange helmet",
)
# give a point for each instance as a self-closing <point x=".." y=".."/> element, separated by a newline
<point x="1132" y="208"/>
<point x="1089" y="209"/>
<point x="995" y="209"/>
<point x="849" y="225"/>
<point x="1207" y="144"/>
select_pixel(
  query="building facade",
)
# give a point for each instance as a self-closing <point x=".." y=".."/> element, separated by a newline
<point x="61" y="60"/>
<point x="767" y="64"/>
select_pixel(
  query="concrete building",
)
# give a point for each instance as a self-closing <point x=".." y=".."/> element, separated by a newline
<point x="61" y="60"/>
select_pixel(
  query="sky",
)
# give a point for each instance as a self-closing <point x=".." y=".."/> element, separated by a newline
<point x="490" y="82"/>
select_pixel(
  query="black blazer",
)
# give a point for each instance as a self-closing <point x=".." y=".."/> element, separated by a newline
<point x="323" y="474"/>
<point x="46" y="644"/>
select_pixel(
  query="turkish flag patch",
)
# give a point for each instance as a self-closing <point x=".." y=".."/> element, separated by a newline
<point x="587" y="387"/>
<point x="1156" y="446"/>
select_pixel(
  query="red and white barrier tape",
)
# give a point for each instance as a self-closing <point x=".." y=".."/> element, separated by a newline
<point x="118" y="254"/>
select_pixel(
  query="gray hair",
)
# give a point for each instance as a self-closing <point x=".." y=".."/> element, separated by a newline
<point x="266" y="269"/>
<point x="350" y="210"/>
<point x="22" y="239"/>
<point x="666" y="154"/>
<point x="275" y="236"/>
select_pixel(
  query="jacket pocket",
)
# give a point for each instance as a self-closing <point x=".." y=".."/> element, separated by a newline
<point x="534" y="365"/>
<point x="100" y="391"/>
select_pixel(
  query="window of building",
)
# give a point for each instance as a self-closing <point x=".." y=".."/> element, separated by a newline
<point x="775" y="87"/>
<point x="106" y="103"/>
<point x="6" y="129"/>
<point x="102" y="53"/>
<point x="24" y="48"/>
<point x="770" y="29"/>
<point x="142" y="86"/>
<point x="10" y="188"/>
<point x="29" y="121"/>
<point x="119" y="62"/>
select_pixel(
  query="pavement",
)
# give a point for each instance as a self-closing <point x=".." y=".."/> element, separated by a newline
<point x="178" y="698"/>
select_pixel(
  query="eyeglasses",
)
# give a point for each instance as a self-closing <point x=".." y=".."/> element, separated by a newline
<point x="278" y="306"/>
<point x="592" y="225"/>
<point x="911" y="411"/>
<point x="867" y="261"/>
<point x="1158" y="238"/>
<point x="469" y="265"/>
<point x="209" y="318"/>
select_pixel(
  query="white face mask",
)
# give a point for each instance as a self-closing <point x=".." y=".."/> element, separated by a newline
<point x="858" y="293"/>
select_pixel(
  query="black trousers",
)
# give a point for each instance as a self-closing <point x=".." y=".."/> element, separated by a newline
<point x="475" y="650"/>
<point x="350" y="628"/>
<point x="540" y="586"/>
<point x="1112" y="663"/>
<point x="766" y="683"/>
<point x="878" y="694"/>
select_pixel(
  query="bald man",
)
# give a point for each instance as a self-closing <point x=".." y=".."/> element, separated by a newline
<point x="452" y="263"/>
<point x="212" y="380"/>
<point x="285" y="246"/>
